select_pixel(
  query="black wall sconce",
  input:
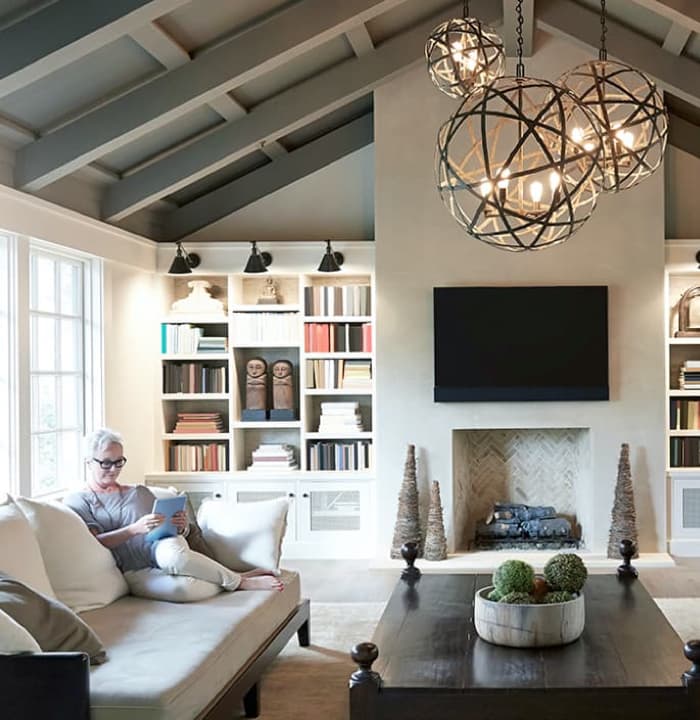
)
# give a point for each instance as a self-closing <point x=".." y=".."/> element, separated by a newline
<point x="331" y="260"/>
<point x="258" y="261"/>
<point x="183" y="261"/>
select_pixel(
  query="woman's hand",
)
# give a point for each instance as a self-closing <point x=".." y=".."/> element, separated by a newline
<point x="146" y="523"/>
<point x="180" y="521"/>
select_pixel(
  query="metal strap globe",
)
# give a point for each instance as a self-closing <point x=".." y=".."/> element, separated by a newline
<point x="631" y="116"/>
<point x="463" y="53"/>
<point x="507" y="169"/>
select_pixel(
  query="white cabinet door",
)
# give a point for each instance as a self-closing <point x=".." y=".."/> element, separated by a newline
<point x="335" y="518"/>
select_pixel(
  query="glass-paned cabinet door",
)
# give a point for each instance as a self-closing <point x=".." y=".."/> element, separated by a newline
<point x="333" y="510"/>
<point x="247" y="492"/>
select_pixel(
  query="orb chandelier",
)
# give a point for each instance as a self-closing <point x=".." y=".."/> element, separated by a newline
<point x="506" y="166"/>
<point x="631" y="114"/>
<point x="462" y="54"/>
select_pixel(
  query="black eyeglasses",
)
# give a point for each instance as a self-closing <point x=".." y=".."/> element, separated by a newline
<point x="109" y="464"/>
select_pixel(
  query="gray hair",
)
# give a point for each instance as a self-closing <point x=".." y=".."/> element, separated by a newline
<point x="98" y="440"/>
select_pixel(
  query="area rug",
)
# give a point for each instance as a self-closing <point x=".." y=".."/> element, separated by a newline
<point x="312" y="683"/>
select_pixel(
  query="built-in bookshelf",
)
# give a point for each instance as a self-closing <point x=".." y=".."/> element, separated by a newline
<point x="322" y="458"/>
<point x="683" y="395"/>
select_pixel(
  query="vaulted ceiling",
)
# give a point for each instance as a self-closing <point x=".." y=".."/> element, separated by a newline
<point x="188" y="111"/>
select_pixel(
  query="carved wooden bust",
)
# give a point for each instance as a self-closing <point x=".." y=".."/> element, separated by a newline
<point x="282" y="385"/>
<point x="256" y="384"/>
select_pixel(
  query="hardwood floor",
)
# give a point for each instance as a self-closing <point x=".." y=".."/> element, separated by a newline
<point x="354" y="581"/>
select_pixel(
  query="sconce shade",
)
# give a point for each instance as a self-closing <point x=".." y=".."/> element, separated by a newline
<point x="507" y="169"/>
<point x="183" y="262"/>
<point x="632" y="118"/>
<point x="258" y="261"/>
<point x="331" y="261"/>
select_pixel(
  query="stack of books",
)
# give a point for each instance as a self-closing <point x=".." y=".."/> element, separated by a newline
<point x="357" y="374"/>
<point x="199" y="422"/>
<point x="270" y="457"/>
<point x="211" y="344"/>
<point x="689" y="378"/>
<point x="340" y="418"/>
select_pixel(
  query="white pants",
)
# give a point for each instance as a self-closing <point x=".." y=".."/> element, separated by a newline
<point x="174" y="556"/>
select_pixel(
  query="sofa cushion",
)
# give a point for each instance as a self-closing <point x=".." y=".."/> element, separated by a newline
<point x="14" y="638"/>
<point x="167" y="661"/>
<point x="93" y="582"/>
<point x="245" y="535"/>
<point x="51" y="623"/>
<point x="20" y="555"/>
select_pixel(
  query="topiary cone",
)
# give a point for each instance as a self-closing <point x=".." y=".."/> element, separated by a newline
<point x="623" y="524"/>
<point x="435" y="540"/>
<point x="407" y="527"/>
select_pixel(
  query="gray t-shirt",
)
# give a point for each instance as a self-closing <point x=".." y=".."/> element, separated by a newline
<point x="104" y="512"/>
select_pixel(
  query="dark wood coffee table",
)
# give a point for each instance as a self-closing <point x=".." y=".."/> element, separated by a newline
<point x="628" y="664"/>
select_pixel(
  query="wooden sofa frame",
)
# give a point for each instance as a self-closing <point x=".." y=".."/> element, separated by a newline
<point x="57" y="685"/>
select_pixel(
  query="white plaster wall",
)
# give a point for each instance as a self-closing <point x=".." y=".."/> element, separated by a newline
<point x="682" y="180"/>
<point x="419" y="246"/>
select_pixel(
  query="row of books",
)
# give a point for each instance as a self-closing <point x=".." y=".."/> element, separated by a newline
<point x="199" y="422"/>
<point x="336" y="374"/>
<point x="184" y="339"/>
<point x="338" y="300"/>
<point x="338" y="337"/>
<point x="340" y="417"/>
<point x="266" y="328"/>
<point x="684" y="414"/>
<point x="685" y="451"/>
<point x="209" y="457"/>
<point x="271" y="457"/>
<point x="355" y="455"/>
<point x="689" y="376"/>
<point x="194" y="377"/>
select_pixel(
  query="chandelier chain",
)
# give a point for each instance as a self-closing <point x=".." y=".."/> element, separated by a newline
<point x="603" y="53"/>
<point x="465" y="11"/>
<point x="520" y="68"/>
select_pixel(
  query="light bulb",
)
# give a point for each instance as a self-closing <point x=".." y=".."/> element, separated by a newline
<point x="485" y="187"/>
<point x="554" y="180"/>
<point x="503" y="182"/>
<point x="589" y="146"/>
<point x="457" y="48"/>
<point x="470" y="60"/>
<point x="536" y="191"/>
<point x="577" y="135"/>
<point x="627" y="139"/>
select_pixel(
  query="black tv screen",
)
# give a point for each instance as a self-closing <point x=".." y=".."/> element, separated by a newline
<point x="521" y="343"/>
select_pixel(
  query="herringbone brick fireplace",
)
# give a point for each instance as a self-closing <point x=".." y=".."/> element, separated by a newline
<point x="541" y="466"/>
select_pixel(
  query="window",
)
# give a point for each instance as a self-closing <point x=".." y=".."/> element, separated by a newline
<point x="62" y="341"/>
<point x="7" y="399"/>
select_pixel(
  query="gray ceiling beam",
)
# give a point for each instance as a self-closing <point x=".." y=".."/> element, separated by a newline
<point x="279" y="173"/>
<point x="66" y="30"/>
<point x="678" y="75"/>
<point x="684" y="135"/>
<point x="272" y="119"/>
<point x="683" y="12"/>
<point x="265" y="46"/>
<point x="360" y="40"/>
<point x="676" y="38"/>
<point x="510" y="26"/>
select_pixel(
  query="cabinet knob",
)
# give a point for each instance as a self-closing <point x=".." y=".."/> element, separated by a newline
<point x="291" y="495"/>
<point x="305" y="495"/>
<point x="217" y="495"/>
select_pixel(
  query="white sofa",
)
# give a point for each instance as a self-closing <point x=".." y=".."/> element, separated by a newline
<point x="165" y="660"/>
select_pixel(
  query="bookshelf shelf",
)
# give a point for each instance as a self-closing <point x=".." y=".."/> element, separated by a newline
<point x="327" y="505"/>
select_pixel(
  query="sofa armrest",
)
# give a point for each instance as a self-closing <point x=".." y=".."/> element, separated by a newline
<point x="45" y="685"/>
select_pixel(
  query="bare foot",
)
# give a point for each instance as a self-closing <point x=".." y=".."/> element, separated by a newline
<point x="256" y="572"/>
<point x="264" y="582"/>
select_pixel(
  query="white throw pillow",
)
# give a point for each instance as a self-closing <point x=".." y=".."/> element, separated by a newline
<point x="82" y="572"/>
<point x="20" y="556"/>
<point x="243" y="536"/>
<point x="14" y="638"/>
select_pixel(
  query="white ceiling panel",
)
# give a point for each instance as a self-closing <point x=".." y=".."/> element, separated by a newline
<point x="60" y="96"/>
<point x="175" y="133"/>
<point x="13" y="10"/>
<point x="201" y="23"/>
<point x="634" y="16"/>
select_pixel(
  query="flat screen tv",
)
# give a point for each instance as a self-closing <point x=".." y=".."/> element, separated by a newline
<point x="521" y="343"/>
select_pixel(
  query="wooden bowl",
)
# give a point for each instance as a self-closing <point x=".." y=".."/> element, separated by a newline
<point x="528" y="625"/>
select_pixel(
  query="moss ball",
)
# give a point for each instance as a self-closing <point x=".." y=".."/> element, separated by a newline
<point x="514" y="576"/>
<point x="566" y="571"/>
<point x="517" y="598"/>
<point x="494" y="595"/>
<point x="558" y="596"/>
